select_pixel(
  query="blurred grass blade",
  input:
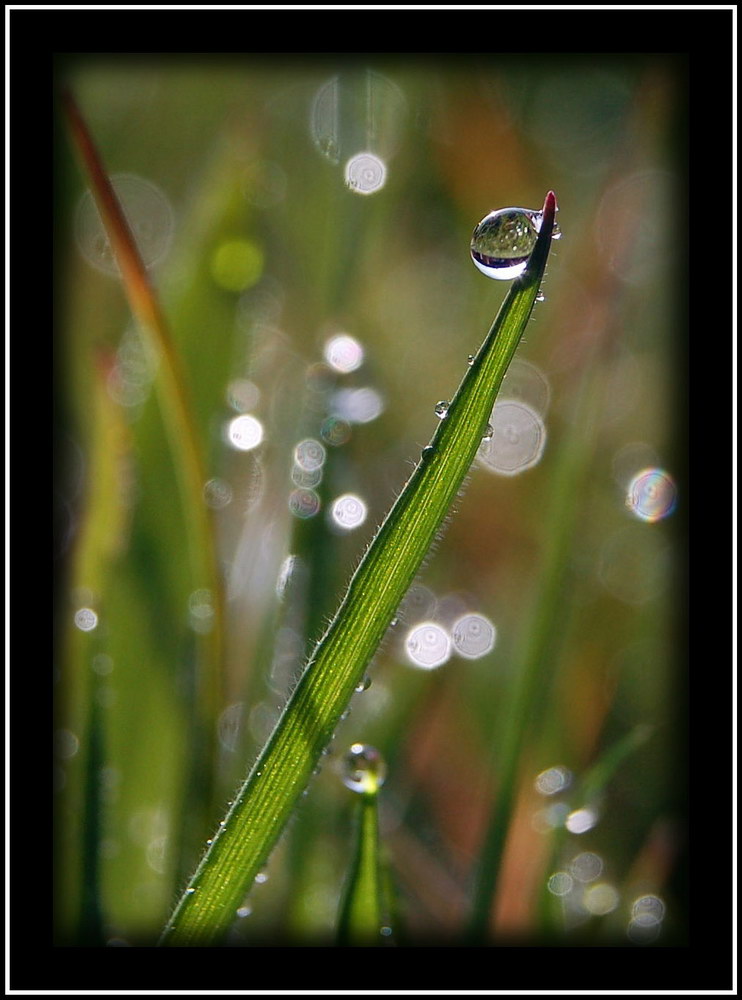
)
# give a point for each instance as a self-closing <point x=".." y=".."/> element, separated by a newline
<point x="595" y="781"/>
<point x="177" y="415"/>
<point x="265" y="802"/>
<point x="362" y="910"/>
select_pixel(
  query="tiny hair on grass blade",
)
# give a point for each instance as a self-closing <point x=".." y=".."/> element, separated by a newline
<point x="282" y="771"/>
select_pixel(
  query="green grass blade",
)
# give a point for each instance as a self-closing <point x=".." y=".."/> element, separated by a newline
<point x="282" y="771"/>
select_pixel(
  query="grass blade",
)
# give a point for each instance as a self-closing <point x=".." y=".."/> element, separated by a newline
<point x="282" y="771"/>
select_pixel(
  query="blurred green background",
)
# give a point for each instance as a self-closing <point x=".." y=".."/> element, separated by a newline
<point x="264" y="245"/>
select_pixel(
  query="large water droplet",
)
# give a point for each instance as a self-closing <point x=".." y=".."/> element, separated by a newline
<point x="503" y="241"/>
<point x="363" y="769"/>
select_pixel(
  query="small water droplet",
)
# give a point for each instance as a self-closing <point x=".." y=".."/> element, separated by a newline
<point x="190" y="890"/>
<point x="363" y="769"/>
<point x="470" y="359"/>
<point x="441" y="408"/>
<point x="504" y="240"/>
<point x="244" y="911"/>
<point x="394" y="622"/>
<point x="261" y="878"/>
<point x="209" y="841"/>
<point x="427" y="452"/>
<point x="488" y="432"/>
<point x="540" y="297"/>
<point x="364" y="685"/>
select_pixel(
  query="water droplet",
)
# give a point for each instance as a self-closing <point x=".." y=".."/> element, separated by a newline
<point x="244" y="432"/>
<point x="428" y="646"/>
<point x="343" y="353"/>
<point x="364" y="685"/>
<point x="427" y="452"/>
<point x="309" y="455"/>
<point x="441" y="408"/>
<point x="473" y="636"/>
<point x="586" y="867"/>
<point x="652" y="495"/>
<point x="363" y="769"/>
<point x="560" y="883"/>
<point x="190" y="890"/>
<point x="540" y="297"/>
<point x="356" y="406"/>
<point x="365" y="173"/>
<point x="348" y="512"/>
<point x="261" y="878"/>
<point x="488" y="432"/>
<point x="600" y="899"/>
<point x="648" y="910"/>
<point x="470" y="359"/>
<point x="581" y="820"/>
<point x="244" y="911"/>
<point x="518" y="439"/>
<point x="304" y="503"/>
<point x="335" y="431"/>
<point x="86" y="619"/>
<point x="217" y="493"/>
<point x="504" y="240"/>
<point x="209" y="841"/>
<point x="148" y="213"/>
<point x="553" y="780"/>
